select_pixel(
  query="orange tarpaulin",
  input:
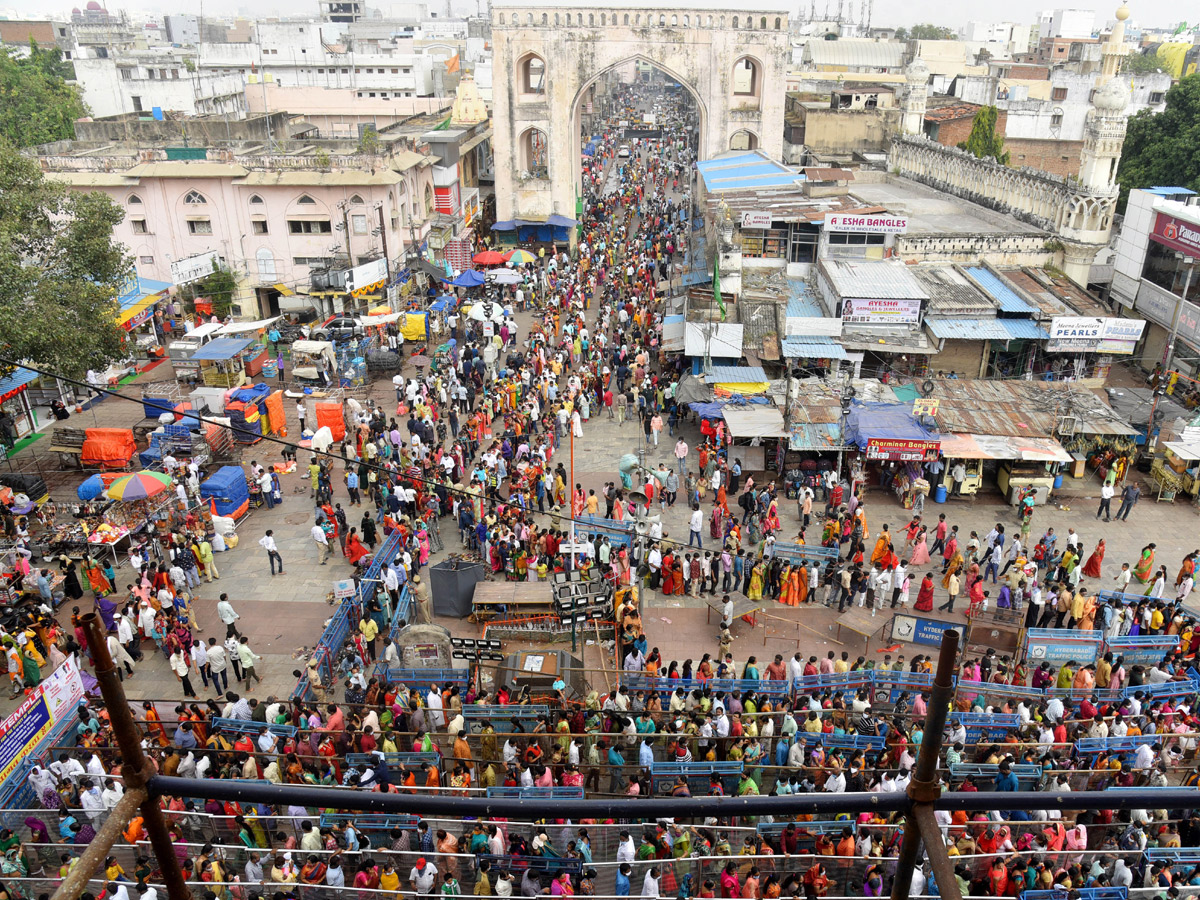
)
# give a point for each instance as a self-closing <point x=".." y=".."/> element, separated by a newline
<point x="108" y="447"/>
<point x="330" y="415"/>
<point x="275" y="412"/>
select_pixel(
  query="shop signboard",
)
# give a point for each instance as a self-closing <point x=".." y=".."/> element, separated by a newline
<point x="879" y="223"/>
<point x="1097" y="334"/>
<point x="367" y="274"/>
<point x="193" y="268"/>
<point x="881" y="311"/>
<point x="919" y="630"/>
<point x="926" y="406"/>
<point x="1176" y="234"/>
<point x="901" y="450"/>
<point x="756" y="220"/>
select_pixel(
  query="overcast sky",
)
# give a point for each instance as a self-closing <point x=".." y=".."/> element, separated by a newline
<point x="1149" y="13"/>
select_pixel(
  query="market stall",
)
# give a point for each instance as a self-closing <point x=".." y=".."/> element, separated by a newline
<point x="1177" y="471"/>
<point x="314" y="362"/>
<point x="123" y="516"/>
<point x="894" y="444"/>
<point x="1021" y="462"/>
<point x="226" y="362"/>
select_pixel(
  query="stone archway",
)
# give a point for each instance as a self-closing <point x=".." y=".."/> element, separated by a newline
<point x="700" y="51"/>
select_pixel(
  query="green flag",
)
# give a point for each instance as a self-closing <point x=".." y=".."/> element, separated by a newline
<point x="717" y="284"/>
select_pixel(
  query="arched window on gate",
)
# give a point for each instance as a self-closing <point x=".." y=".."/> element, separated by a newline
<point x="531" y="74"/>
<point x="746" y="79"/>
<point x="533" y="157"/>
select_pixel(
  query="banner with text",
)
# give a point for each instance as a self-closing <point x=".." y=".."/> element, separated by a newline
<point x="54" y="700"/>
<point x="1176" y="234"/>
<point x="1097" y="334"/>
<point x="866" y="224"/>
<point x="878" y="311"/>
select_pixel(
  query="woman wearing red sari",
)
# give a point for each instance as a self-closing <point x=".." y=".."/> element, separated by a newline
<point x="355" y="549"/>
<point x="925" y="594"/>
<point x="1092" y="567"/>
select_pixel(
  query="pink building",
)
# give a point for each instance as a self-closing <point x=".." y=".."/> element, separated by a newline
<point x="275" y="219"/>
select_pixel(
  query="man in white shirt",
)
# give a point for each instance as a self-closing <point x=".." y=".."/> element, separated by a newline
<point x="322" y="542"/>
<point x="423" y="876"/>
<point x="267" y="542"/>
<point x="695" y="525"/>
<point x="228" y="616"/>
<point x="433" y="701"/>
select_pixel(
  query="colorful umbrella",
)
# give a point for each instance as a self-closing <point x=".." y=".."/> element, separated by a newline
<point x="139" y="486"/>
<point x="520" y="257"/>
<point x="488" y="258"/>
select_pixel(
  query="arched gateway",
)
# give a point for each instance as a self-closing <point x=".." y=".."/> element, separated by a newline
<point x="547" y="58"/>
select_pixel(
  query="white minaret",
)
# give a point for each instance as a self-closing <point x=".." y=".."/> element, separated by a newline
<point x="1104" y="127"/>
<point x="916" y="94"/>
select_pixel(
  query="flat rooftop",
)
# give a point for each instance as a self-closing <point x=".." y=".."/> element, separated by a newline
<point x="932" y="212"/>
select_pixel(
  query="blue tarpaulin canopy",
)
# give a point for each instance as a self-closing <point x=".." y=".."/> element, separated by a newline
<point x="442" y="303"/>
<point x="706" y="410"/>
<point x="469" y="278"/>
<point x="223" y="348"/>
<point x="884" y="421"/>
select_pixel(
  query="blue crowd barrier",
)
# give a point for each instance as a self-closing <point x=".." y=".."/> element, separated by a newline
<point x="503" y="713"/>
<point x="1028" y="774"/>
<point x="698" y="774"/>
<point x="558" y="792"/>
<point x="249" y="726"/>
<point x="379" y="822"/>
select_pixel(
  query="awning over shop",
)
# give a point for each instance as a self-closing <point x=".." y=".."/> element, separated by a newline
<point x="1024" y="329"/>
<point x="1182" y="449"/>
<point x="737" y="379"/>
<point x="889" y="431"/>
<point x="813" y="348"/>
<point x="707" y="410"/>
<point x="998" y="446"/>
<point x="234" y="329"/>
<point x="139" y="296"/>
<point x="442" y="304"/>
<point x="13" y="384"/>
<point x="755" y="422"/>
<point x="222" y="349"/>
<point x="976" y="329"/>
<point x="284" y="290"/>
<point x="816" y="436"/>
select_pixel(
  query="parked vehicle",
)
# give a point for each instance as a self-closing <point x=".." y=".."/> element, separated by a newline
<point x="338" y="328"/>
<point x="183" y="348"/>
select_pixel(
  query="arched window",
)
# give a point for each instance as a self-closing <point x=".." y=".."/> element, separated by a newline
<point x="763" y="24"/>
<point x="501" y="18"/>
<point x="266" y="264"/>
<point x="556" y="18"/>
<point x="662" y="21"/>
<point x="306" y="200"/>
<point x="532" y="74"/>
<point x="545" y="19"/>
<point x="735" y="21"/>
<point x="637" y="18"/>
<point x="743" y="140"/>
<point x="626" y="18"/>
<point x="592" y="19"/>
<point x="133" y="200"/>
<point x="710" y="21"/>
<point x="532" y="157"/>
<point x="357" y="199"/>
<point x="603" y="19"/>
<point x="528" y="18"/>
<point x="687" y="23"/>
<point x="746" y="78"/>
<point x="254" y="198"/>
<point x="428" y="200"/>
<point x="722" y="21"/>
<point x="674" y="21"/>
<point x="194" y="197"/>
<point x="778" y="23"/>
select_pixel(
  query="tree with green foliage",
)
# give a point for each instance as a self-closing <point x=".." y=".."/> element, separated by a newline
<point x="219" y="287"/>
<point x="983" y="141"/>
<point x="60" y="271"/>
<point x="1164" y="148"/>
<point x="925" y="31"/>
<point x="1142" y="63"/>
<point x="37" y="105"/>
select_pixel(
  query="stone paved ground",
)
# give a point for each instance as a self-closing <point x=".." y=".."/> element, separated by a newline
<point x="283" y="614"/>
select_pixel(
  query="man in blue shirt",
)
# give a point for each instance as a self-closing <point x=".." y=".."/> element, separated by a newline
<point x="622" y="886"/>
<point x="352" y="488"/>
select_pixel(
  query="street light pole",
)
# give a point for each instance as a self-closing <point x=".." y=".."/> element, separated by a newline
<point x="1169" y="350"/>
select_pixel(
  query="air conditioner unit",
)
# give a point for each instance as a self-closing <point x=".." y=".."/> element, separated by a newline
<point x="1067" y="425"/>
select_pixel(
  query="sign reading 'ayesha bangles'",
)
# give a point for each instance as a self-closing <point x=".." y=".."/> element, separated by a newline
<point x="866" y="224"/>
<point x="882" y="311"/>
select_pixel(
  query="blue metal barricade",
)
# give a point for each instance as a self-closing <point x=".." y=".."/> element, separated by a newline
<point x="663" y="776"/>
<point x="246" y="726"/>
<point x="412" y="677"/>
<point x="405" y="759"/>
<point x="379" y="822"/>
<point x="495" y="711"/>
<point x="1028" y="774"/>
<point x="557" y="792"/>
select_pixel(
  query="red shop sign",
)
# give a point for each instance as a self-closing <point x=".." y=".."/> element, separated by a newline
<point x="1176" y="234"/>
<point x="901" y="449"/>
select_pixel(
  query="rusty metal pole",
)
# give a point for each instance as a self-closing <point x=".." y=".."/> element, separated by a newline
<point x="135" y="768"/>
<point x="923" y="789"/>
<point x="92" y="859"/>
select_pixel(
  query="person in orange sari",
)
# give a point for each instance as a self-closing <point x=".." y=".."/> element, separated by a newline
<point x="799" y="580"/>
<point x="785" y="587"/>
<point x="1092" y="567"/>
<point x="154" y="724"/>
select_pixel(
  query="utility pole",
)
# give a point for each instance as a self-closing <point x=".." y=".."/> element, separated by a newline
<point x="387" y="260"/>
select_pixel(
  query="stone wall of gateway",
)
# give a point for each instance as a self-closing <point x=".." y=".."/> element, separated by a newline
<point x="1003" y="250"/>
<point x="1050" y="202"/>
